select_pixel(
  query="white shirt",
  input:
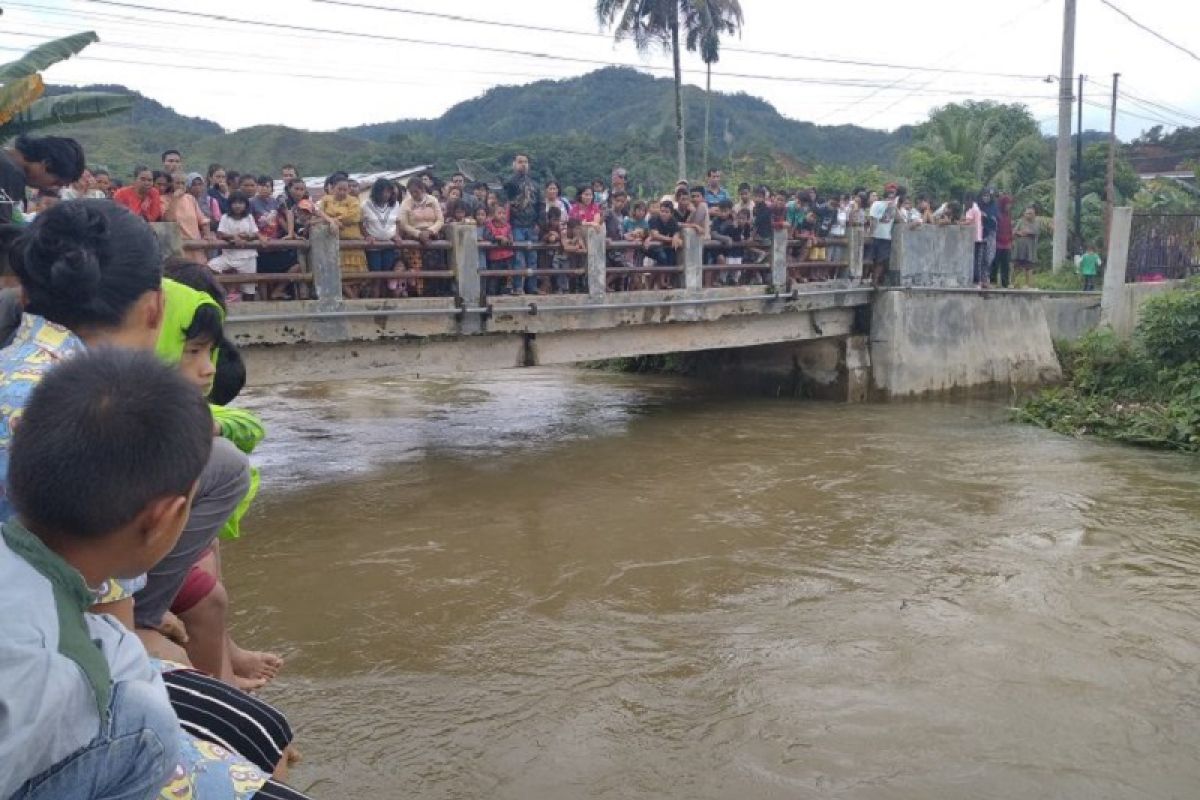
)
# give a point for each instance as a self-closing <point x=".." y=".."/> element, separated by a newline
<point x="380" y="222"/>
<point x="248" y="228"/>
<point x="884" y="214"/>
<point x="839" y="227"/>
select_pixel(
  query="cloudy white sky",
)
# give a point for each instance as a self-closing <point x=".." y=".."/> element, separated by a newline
<point x="322" y="64"/>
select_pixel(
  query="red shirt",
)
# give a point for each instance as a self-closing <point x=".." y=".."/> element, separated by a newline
<point x="498" y="231"/>
<point x="585" y="213"/>
<point x="1004" y="230"/>
<point x="149" y="208"/>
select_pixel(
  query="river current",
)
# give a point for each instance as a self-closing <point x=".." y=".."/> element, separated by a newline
<point x="548" y="584"/>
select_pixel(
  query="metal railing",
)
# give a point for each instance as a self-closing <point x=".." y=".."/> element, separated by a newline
<point x="1163" y="247"/>
<point x="459" y="267"/>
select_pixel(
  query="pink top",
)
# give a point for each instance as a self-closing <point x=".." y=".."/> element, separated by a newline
<point x="976" y="216"/>
<point x="590" y="213"/>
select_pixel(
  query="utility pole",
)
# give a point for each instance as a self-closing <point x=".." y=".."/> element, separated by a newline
<point x="1062" y="161"/>
<point x="1110" y="192"/>
<point x="1079" y="171"/>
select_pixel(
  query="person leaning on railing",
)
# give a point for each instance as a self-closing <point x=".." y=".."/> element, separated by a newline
<point x="341" y="210"/>
<point x="421" y="219"/>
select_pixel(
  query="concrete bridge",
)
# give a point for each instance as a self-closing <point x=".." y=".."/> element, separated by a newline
<point x="828" y="337"/>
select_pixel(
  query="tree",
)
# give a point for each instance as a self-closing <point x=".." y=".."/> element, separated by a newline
<point x="705" y="21"/>
<point x="1166" y="196"/>
<point x="648" y="22"/>
<point x="977" y="143"/>
<point x="22" y="107"/>
<point x="1095" y="174"/>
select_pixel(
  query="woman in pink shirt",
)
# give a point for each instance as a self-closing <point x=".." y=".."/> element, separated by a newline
<point x="974" y="216"/>
<point x="585" y="209"/>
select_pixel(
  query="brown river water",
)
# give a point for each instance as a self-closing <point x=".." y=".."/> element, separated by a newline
<point x="549" y="584"/>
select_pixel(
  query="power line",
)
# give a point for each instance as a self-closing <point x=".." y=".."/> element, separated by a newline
<point x="1151" y="31"/>
<point x="849" y="82"/>
<point x="729" y="49"/>
<point x="1152" y="108"/>
<point x="1175" y="110"/>
<point x="1124" y="113"/>
<point x="902" y="79"/>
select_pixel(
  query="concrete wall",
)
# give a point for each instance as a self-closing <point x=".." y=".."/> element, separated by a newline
<point x="1124" y="314"/>
<point x="1071" y="315"/>
<point x="926" y="342"/>
<point x="932" y="255"/>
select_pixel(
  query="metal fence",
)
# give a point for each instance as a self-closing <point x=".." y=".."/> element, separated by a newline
<point x="1164" y="247"/>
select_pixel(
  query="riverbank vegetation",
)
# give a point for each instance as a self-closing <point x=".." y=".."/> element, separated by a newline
<point x="1144" y="392"/>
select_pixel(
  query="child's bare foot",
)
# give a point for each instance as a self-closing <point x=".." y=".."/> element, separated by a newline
<point x="253" y="669"/>
<point x="291" y="757"/>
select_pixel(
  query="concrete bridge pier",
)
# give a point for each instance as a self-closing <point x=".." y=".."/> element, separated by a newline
<point x="836" y="369"/>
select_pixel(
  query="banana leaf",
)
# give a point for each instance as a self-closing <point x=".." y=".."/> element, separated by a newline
<point x="45" y="55"/>
<point x="18" y="95"/>
<point x="65" y="109"/>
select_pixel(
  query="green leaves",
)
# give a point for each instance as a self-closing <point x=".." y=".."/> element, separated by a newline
<point x="65" y="109"/>
<point x="45" y="55"/>
<point x="1145" y="392"/>
<point x="1169" y="329"/>
<point x="22" y="107"/>
<point x="966" y="146"/>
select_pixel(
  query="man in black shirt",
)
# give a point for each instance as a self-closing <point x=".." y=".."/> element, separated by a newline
<point x="48" y="162"/>
<point x="526" y="214"/>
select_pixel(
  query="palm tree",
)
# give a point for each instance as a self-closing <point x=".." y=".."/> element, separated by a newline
<point x="705" y="21"/>
<point x="649" y="22"/>
<point x="995" y="144"/>
<point x="22" y="107"/>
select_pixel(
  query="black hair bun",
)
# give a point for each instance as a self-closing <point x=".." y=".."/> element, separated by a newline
<point x="69" y="238"/>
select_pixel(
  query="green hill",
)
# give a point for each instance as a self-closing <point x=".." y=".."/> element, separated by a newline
<point x="624" y="102"/>
<point x="119" y="143"/>
<point x="264" y="148"/>
<point x="576" y="129"/>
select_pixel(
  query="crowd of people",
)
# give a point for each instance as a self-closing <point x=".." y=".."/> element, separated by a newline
<point x="123" y="469"/>
<point x="225" y="209"/>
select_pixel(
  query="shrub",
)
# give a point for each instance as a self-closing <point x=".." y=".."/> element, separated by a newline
<point x="1169" y="330"/>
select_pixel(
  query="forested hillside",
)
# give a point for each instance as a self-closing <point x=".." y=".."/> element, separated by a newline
<point x="577" y="129"/>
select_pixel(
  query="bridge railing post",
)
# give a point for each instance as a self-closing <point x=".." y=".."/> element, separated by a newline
<point x="325" y="259"/>
<point x="597" y="264"/>
<point x="170" y="239"/>
<point x="779" y="257"/>
<point x="854" y="243"/>
<point x="464" y="253"/>
<point x="693" y="260"/>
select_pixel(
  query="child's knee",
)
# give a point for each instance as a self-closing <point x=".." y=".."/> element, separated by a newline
<point x="212" y="606"/>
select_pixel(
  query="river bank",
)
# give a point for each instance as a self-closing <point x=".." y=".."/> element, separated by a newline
<point x="1144" y="391"/>
<point x="563" y="583"/>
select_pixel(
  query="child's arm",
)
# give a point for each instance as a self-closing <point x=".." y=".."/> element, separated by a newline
<point x="331" y="221"/>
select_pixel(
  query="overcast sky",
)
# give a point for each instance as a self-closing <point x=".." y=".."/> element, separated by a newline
<point x="248" y="69"/>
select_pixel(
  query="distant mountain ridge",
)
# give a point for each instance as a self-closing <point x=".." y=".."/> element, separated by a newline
<point x="618" y="101"/>
<point x="576" y="127"/>
<point x="602" y="106"/>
